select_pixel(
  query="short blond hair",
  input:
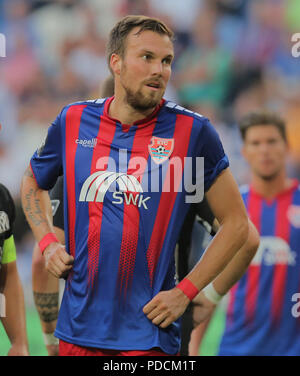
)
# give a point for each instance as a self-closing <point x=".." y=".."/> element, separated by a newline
<point x="117" y="37"/>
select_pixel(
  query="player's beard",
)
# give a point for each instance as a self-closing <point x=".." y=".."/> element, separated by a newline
<point x="139" y="101"/>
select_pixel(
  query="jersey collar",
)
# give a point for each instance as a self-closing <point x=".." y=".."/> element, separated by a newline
<point x="284" y="192"/>
<point x="139" y="123"/>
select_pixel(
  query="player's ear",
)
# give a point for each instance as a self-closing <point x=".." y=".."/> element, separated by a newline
<point x="115" y="64"/>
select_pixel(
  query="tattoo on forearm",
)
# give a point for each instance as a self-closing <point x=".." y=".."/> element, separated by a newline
<point x="47" y="305"/>
<point x="32" y="208"/>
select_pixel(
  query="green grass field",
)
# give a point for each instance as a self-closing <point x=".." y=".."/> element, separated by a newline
<point x="212" y="338"/>
<point x="209" y="346"/>
<point x="36" y="344"/>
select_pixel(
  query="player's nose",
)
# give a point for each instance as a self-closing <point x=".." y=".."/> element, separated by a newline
<point x="157" y="68"/>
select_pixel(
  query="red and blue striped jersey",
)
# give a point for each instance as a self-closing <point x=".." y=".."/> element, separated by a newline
<point x="259" y="315"/>
<point x="121" y="221"/>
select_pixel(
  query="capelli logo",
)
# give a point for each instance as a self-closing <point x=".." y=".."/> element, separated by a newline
<point x="296" y="47"/>
<point x="87" y="143"/>
<point x="2" y="45"/>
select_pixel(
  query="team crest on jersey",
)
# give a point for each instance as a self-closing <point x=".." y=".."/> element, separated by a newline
<point x="293" y="214"/>
<point x="161" y="149"/>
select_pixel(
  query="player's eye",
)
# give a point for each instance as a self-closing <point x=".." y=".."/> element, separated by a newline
<point x="146" y="57"/>
<point x="167" y="61"/>
<point x="272" y="141"/>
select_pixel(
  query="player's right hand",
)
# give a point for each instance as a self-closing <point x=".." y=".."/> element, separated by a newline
<point x="203" y="309"/>
<point x="58" y="261"/>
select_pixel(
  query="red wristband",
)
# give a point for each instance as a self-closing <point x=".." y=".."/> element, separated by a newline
<point x="47" y="239"/>
<point x="188" y="288"/>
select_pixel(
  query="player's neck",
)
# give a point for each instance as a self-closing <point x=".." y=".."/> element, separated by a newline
<point x="269" y="189"/>
<point x="126" y="114"/>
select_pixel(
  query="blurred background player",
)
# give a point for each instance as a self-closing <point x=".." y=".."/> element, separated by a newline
<point x="189" y="252"/>
<point x="12" y="307"/>
<point x="259" y="313"/>
<point x="45" y="286"/>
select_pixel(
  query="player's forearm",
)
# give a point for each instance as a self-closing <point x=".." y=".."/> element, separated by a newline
<point x="239" y="264"/>
<point x="14" y="321"/>
<point x="229" y="239"/>
<point x="36" y="206"/>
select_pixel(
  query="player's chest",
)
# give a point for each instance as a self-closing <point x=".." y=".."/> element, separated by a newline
<point x="134" y="152"/>
<point x="280" y="236"/>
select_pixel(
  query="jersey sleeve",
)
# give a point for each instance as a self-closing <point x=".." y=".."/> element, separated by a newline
<point x="46" y="162"/>
<point x="211" y="148"/>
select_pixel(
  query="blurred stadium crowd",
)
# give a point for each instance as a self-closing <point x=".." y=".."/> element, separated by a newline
<point x="232" y="56"/>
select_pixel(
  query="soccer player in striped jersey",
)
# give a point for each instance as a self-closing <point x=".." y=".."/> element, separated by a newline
<point x="260" y="318"/>
<point x="12" y="306"/>
<point x="120" y="295"/>
<point x="205" y="302"/>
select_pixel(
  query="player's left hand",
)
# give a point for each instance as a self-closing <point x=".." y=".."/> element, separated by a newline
<point x="53" y="350"/>
<point x="203" y="309"/>
<point x="166" y="307"/>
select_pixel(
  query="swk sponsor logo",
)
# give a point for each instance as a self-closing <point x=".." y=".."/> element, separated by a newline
<point x="130" y="190"/>
<point x="162" y="172"/>
<point x="274" y="250"/>
<point x="130" y="198"/>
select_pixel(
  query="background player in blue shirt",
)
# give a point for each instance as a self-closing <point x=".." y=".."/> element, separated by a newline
<point x="259" y="314"/>
<point x="120" y="294"/>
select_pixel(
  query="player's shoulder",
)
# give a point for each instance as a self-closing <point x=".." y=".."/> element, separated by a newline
<point x="173" y="107"/>
<point x="90" y="102"/>
<point x="99" y="102"/>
